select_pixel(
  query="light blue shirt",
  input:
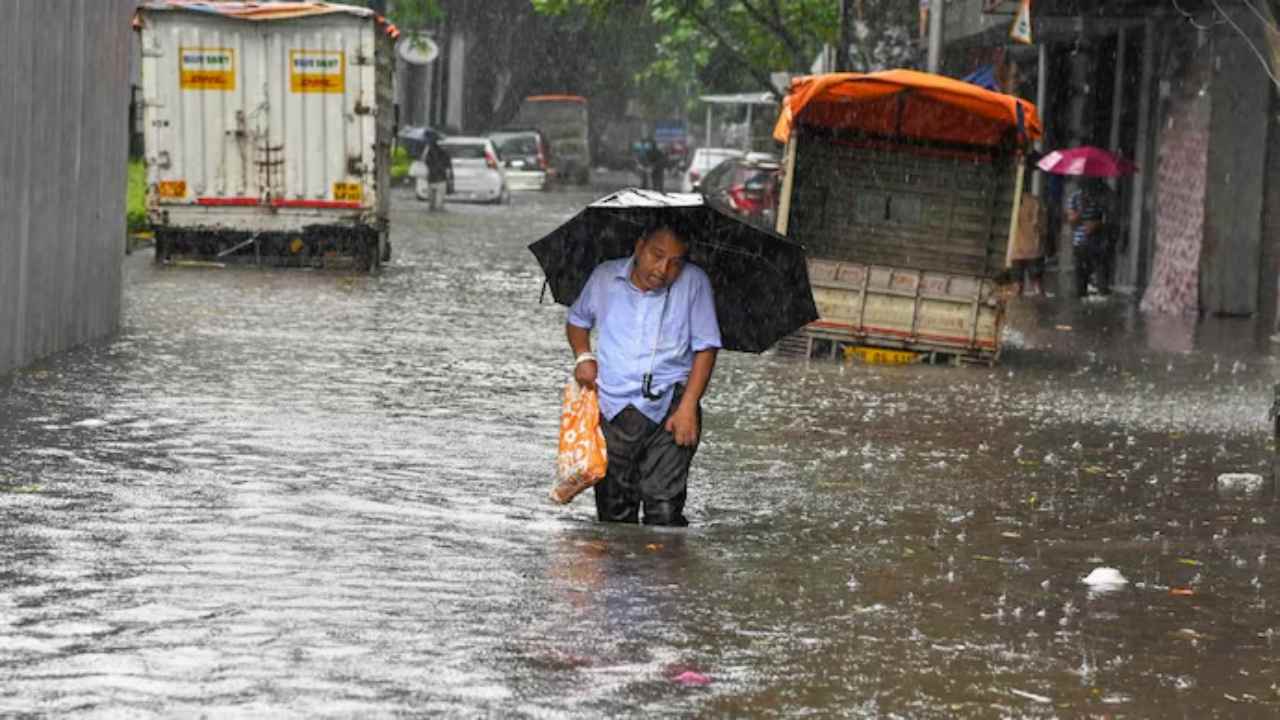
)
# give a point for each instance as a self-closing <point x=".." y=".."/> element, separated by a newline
<point x="628" y="321"/>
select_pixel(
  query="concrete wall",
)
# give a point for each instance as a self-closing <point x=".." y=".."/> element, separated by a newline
<point x="1232" y="252"/>
<point x="64" y="96"/>
<point x="1269" y="283"/>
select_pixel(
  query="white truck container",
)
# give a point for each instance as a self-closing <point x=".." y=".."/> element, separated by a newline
<point x="268" y="131"/>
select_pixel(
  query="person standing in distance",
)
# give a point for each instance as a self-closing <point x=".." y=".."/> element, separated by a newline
<point x="657" y="341"/>
<point x="656" y="160"/>
<point x="439" y="174"/>
<point x="1088" y="213"/>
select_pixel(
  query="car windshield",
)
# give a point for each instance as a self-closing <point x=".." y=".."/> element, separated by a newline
<point x="519" y="145"/>
<point x="464" y="151"/>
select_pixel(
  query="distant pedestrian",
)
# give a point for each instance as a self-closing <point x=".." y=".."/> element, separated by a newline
<point x="1027" y="254"/>
<point x="439" y="173"/>
<point x="1088" y="214"/>
<point x="656" y="160"/>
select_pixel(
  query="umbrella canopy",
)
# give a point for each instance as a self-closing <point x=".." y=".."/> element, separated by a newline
<point x="1086" y="161"/>
<point x="761" y="281"/>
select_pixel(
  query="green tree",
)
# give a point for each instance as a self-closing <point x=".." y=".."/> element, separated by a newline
<point x="737" y="44"/>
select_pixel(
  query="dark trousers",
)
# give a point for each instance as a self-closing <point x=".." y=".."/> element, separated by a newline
<point x="646" y="468"/>
<point x="1094" y="256"/>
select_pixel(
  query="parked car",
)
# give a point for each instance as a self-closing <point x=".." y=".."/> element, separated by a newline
<point x="747" y="186"/>
<point x="525" y="158"/>
<point x="703" y="160"/>
<point x="477" y="172"/>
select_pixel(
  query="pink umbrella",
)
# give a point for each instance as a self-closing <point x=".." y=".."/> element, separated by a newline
<point x="1088" y="161"/>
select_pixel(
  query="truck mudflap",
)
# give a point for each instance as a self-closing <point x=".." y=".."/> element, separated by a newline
<point x="318" y="246"/>
<point x="938" y="315"/>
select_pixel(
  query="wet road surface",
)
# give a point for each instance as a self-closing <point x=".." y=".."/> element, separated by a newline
<point x="296" y="493"/>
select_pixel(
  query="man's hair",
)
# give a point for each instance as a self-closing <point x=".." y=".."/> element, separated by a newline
<point x="676" y="232"/>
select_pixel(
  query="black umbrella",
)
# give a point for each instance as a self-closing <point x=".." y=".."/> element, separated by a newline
<point x="761" y="281"/>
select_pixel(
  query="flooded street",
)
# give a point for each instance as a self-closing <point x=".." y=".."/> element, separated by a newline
<point x="298" y="493"/>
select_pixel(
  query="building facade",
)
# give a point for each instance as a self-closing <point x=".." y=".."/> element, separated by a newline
<point x="1186" y="92"/>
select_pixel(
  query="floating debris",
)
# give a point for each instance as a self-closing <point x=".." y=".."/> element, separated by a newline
<point x="1240" y="483"/>
<point x="1105" y="578"/>
<point x="691" y="678"/>
<point x="1031" y="696"/>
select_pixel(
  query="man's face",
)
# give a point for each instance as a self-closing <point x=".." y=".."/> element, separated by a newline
<point x="659" y="259"/>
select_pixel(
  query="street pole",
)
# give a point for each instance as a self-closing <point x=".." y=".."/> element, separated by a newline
<point x="708" y="125"/>
<point x="1042" y="101"/>
<point x="935" y="35"/>
<point x="1117" y="96"/>
<point x="1138" y="197"/>
<point x="842" y="41"/>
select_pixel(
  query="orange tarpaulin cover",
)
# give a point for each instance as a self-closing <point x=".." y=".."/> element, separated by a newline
<point x="905" y="103"/>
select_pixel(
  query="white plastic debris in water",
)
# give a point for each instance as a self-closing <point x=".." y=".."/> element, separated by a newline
<point x="1030" y="696"/>
<point x="1240" y="483"/>
<point x="1105" y="578"/>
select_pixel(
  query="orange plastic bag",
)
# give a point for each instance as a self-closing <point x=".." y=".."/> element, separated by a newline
<point x="583" y="461"/>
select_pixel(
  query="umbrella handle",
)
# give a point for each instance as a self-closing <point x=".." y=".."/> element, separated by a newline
<point x="542" y="295"/>
<point x="646" y="388"/>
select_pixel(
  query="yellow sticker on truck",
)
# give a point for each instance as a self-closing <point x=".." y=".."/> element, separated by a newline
<point x="347" y="192"/>
<point x="171" y="189"/>
<point x="205" y="68"/>
<point x="317" y="71"/>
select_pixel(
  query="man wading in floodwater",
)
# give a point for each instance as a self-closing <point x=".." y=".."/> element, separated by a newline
<point x="658" y="338"/>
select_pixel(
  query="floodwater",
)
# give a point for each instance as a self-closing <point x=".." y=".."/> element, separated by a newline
<point x="297" y="493"/>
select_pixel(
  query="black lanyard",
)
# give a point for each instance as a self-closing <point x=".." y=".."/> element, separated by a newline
<point x="646" y="388"/>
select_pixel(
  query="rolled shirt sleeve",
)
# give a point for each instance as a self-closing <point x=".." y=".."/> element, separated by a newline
<point x="704" y="326"/>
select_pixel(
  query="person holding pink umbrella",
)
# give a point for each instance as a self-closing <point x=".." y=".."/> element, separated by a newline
<point x="1088" y="214"/>
<point x="1089" y="209"/>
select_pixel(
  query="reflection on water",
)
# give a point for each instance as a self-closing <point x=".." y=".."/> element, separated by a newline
<point x="299" y="493"/>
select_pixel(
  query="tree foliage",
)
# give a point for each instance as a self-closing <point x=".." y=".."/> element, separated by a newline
<point x="730" y="45"/>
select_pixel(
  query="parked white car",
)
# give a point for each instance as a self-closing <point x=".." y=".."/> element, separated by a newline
<point x="524" y="158"/>
<point x="477" y="170"/>
<point x="703" y="160"/>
